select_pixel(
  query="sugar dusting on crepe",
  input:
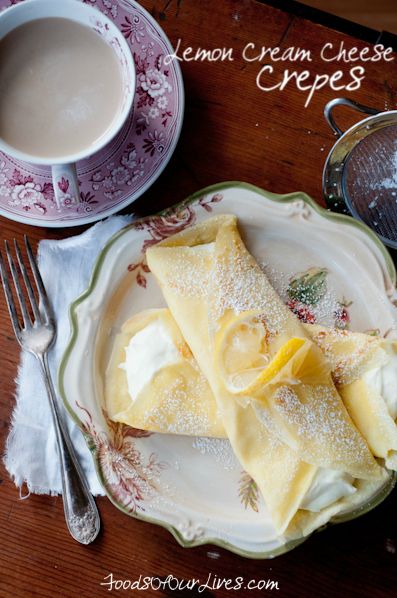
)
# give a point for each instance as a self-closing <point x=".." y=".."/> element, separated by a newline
<point x="185" y="421"/>
<point x="323" y="420"/>
<point x="237" y="284"/>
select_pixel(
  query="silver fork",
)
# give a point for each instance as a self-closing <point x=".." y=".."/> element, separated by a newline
<point x="37" y="335"/>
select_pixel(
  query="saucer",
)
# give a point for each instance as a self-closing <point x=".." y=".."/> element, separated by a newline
<point x="117" y="175"/>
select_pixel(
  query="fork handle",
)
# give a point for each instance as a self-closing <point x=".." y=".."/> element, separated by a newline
<point x="81" y="513"/>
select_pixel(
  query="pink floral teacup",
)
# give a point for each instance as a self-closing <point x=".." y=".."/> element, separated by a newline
<point x="64" y="174"/>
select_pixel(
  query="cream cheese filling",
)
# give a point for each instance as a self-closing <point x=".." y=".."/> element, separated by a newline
<point x="149" y="350"/>
<point x="327" y="487"/>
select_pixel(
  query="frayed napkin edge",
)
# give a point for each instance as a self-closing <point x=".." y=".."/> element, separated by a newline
<point x="17" y="479"/>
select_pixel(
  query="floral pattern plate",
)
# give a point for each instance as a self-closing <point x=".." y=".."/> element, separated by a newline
<point x="329" y="268"/>
<point x="117" y="175"/>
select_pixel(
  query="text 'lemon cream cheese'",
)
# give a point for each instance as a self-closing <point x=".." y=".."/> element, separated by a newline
<point x="148" y="351"/>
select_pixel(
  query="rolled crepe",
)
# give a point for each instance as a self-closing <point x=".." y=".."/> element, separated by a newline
<point x="365" y="371"/>
<point x="153" y="386"/>
<point x="209" y="279"/>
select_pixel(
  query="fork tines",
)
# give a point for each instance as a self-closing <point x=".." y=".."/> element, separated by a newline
<point x="41" y="311"/>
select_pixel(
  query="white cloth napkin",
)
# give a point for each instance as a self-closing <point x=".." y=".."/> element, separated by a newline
<point x="31" y="455"/>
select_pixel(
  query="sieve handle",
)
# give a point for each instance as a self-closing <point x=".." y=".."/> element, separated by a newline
<point x="344" y="102"/>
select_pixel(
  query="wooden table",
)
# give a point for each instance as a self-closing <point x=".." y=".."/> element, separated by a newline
<point x="232" y="131"/>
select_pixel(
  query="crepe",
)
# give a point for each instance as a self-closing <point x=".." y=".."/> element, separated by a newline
<point x="178" y="398"/>
<point x="365" y="372"/>
<point x="281" y="411"/>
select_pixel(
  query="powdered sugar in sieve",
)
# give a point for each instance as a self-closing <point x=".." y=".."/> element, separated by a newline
<point x="369" y="182"/>
<point x="360" y="173"/>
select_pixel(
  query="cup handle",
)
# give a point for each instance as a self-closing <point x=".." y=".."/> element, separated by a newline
<point x="66" y="185"/>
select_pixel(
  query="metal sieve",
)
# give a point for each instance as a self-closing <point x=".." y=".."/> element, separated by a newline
<point x="360" y="174"/>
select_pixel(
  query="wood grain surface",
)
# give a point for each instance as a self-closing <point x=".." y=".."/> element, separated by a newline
<point x="232" y="131"/>
<point x="381" y="14"/>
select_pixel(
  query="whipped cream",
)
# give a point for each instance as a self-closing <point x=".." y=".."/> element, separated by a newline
<point x="383" y="380"/>
<point x="148" y="351"/>
<point x="328" y="486"/>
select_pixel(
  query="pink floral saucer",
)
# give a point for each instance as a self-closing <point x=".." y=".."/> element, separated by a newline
<point x="132" y="161"/>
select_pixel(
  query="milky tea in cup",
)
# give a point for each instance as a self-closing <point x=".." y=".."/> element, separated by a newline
<point x="67" y="84"/>
<point x="60" y="87"/>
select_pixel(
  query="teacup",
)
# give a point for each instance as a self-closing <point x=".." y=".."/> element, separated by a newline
<point x="45" y="117"/>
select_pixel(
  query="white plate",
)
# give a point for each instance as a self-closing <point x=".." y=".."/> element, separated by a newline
<point x="194" y="487"/>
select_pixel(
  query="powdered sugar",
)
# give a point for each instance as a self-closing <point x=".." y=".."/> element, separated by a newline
<point x="238" y="284"/>
<point x="323" y="312"/>
<point x="218" y="448"/>
<point x="349" y="354"/>
<point x="182" y="410"/>
<point x="321" y="429"/>
<point x="390" y="182"/>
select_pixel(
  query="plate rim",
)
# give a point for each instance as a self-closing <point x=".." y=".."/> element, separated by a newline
<point x="133" y="197"/>
<point x="382" y="493"/>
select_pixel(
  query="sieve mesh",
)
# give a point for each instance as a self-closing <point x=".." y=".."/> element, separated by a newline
<point x="370" y="182"/>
